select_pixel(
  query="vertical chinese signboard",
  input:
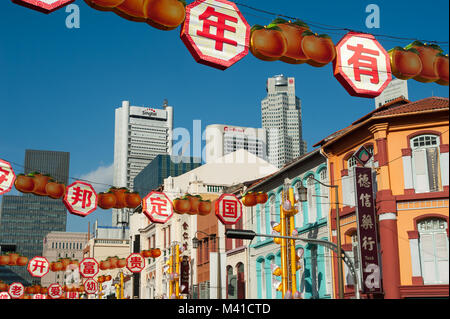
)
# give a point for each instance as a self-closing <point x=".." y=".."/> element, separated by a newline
<point x="367" y="231"/>
<point x="184" y="275"/>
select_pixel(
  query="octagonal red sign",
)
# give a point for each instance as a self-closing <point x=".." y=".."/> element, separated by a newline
<point x="38" y="266"/>
<point x="89" y="267"/>
<point x="55" y="291"/>
<point x="157" y="207"/>
<point x="228" y="209"/>
<point x="362" y="65"/>
<point x="135" y="262"/>
<point x="45" y="6"/>
<point x="7" y="177"/>
<point x="80" y="198"/>
<point x="91" y="286"/>
<point x="16" y="290"/>
<point x="215" y="33"/>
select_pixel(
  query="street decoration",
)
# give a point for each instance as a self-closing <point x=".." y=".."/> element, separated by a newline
<point x="161" y="14"/>
<point x="13" y="259"/>
<point x="40" y="184"/>
<point x="39" y="296"/>
<point x="151" y="253"/>
<point x="4" y="295"/>
<point x="216" y="33"/>
<point x="135" y="262"/>
<point x="55" y="291"/>
<point x="45" y="6"/>
<point x="118" y="198"/>
<point x="7" y="177"/>
<point x="90" y="286"/>
<point x="192" y="205"/>
<point x="38" y="266"/>
<point x="80" y="198"/>
<point x="89" y="268"/>
<point x="362" y="66"/>
<point x="251" y="198"/>
<point x="228" y="209"/>
<point x="367" y="230"/>
<point x="157" y="207"/>
<point x="16" y="290"/>
<point x="112" y="263"/>
<point x="291" y="42"/>
<point x="62" y="264"/>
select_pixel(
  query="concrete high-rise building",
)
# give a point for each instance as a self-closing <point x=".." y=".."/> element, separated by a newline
<point x="282" y="118"/>
<point x="141" y="133"/>
<point x="397" y="88"/>
<point x="26" y="219"/>
<point x="224" y="139"/>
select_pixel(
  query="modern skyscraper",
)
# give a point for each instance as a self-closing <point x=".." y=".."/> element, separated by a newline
<point x="397" y="88"/>
<point x="26" y="219"/>
<point x="141" y="133"/>
<point x="282" y="118"/>
<point x="224" y="139"/>
<point x="163" y="166"/>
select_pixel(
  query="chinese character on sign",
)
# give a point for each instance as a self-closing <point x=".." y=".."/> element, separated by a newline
<point x="365" y="200"/>
<point x="90" y="286"/>
<point x="80" y="198"/>
<point x="135" y="262"/>
<point x="368" y="243"/>
<point x="38" y="266"/>
<point x="55" y="291"/>
<point x="81" y="195"/>
<point x="216" y="33"/>
<point x="362" y="65"/>
<point x="16" y="290"/>
<point x="228" y="209"/>
<point x="220" y="26"/>
<point x="89" y="267"/>
<point x="364" y="62"/>
<point x="157" y="207"/>
<point x="72" y="295"/>
<point x="366" y="222"/>
<point x="363" y="180"/>
<point x="4" y="295"/>
<point x="7" y="177"/>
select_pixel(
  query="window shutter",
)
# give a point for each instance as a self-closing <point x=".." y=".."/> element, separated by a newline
<point x="433" y="168"/>
<point x="420" y="171"/>
<point x="442" y="256"/>
<point x="427" y="256"/>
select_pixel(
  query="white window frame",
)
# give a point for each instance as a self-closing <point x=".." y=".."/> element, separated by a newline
<point x="422" y="185"/>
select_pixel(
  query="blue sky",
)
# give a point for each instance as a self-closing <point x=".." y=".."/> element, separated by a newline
<point x="59" y="87"/>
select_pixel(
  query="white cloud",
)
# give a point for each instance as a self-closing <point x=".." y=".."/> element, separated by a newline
<point x="101" y="178"/>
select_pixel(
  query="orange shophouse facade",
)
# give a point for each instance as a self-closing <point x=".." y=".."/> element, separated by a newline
<point x="410" y="146"/>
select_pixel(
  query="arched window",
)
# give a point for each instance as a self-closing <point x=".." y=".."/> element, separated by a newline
<point x="299" y="206"/>
<point x="240" y="281"/>
<point x="324" y="193"/>
<point x="262" y="218"/>
<point x="231" y="284"/>
<point x="312" y="198"/>
<point x="425" y="163"/>
<point x="272" y="208"/>
<point x="433" y="250"/>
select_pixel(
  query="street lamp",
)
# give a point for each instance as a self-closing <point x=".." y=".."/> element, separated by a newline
<point x="302" y="191"/>
<point x="195" y="242"/>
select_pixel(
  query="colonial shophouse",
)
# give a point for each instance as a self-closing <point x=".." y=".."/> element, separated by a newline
<point x="410" y="146"/>
<point x="314" y="279"/>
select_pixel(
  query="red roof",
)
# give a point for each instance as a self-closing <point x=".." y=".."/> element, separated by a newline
<point x="393" y="108"/>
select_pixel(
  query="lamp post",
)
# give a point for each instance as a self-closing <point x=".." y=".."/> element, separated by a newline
<point x="219" y="274"/>
<point x="303" y="197"/>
